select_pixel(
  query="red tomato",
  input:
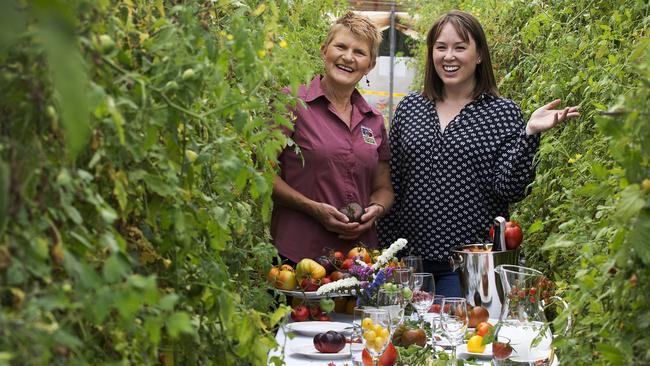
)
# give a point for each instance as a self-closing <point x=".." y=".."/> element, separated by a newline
<point x="339" y="257"/>
<point x="514" y="235"/>
<point x="347" y="264"/>
<point x="501" y="350"/>
<point x="300" y="313"/>
<point x="309" y="284"/>
<point x="483" y="328"/>
<point x="388" y="358"/>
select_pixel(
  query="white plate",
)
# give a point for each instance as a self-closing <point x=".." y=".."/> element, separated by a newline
<point x="308" y="350"/>
<point x="487" y="353"/>
<point x="311" y="328"/>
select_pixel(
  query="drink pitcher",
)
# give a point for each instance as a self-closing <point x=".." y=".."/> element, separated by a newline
<point x="522" y="323"/>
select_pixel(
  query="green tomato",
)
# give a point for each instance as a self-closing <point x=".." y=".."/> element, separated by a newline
<point x="105" y="43"/>
<point x="326" y="304"/>
<point x="188" y="74"/>
<point x="407" y="293"/>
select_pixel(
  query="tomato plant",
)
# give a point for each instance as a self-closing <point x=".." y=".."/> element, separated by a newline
<point x="585" y="218"/>
<point x="137" y="152"/>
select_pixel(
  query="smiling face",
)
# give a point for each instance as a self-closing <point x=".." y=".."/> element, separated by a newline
<point x="455" y="59"/>
<point x="347" y="59"/>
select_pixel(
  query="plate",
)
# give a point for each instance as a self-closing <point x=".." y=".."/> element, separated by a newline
<point x="308" y="350"/>
<point x="311" y="328"/>
<point x="487" y="353"/>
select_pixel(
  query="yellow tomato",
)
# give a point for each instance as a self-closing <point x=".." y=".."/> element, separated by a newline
<point x="474" y="345"/>
<point x="379" y="342"/>
<point x="385" y="333"/>
<point x="370" y="335"/>
<point x="378" y="328"/>
<point x="366" y="323"/>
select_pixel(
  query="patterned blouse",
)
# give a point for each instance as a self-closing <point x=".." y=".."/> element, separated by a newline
<point x="449" y="186"/>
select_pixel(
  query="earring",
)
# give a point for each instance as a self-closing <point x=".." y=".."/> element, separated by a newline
<point x="367" y="81"/>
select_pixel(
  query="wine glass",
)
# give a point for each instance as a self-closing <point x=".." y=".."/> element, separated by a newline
<point x="376" y="332"/>
<point x="454" y="322"/>
<point x="436" y="324"/>
<point x="423" y="291"/>
<point x="355" y="337"/>
<point x="402" y="276"/>
<point x="391" y="301"/>
<point x="414" y="262"/>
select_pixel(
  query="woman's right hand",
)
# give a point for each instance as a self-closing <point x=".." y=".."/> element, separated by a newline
<point x="335" y="221"/>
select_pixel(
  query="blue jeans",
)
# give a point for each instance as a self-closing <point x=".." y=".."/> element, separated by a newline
<point x="447" y="281"/>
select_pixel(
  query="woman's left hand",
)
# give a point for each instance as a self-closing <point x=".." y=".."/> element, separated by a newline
<point x="371" y="214"/>
<point x="546" y="117"/>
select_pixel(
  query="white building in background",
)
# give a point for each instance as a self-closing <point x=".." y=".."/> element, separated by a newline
<point x="377" y="93"/>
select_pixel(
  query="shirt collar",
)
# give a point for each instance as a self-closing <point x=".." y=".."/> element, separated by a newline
<point x="315" y="90"/>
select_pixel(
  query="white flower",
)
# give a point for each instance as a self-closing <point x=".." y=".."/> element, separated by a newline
<point x="389" y="253"/>
<point x="342" y="284"/>
<point x="361" y="263"/>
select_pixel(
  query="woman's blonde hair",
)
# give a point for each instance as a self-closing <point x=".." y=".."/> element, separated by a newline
<point x="359" y="25"/>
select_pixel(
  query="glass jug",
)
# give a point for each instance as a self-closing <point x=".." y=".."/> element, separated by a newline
<point x="522" y="323"/>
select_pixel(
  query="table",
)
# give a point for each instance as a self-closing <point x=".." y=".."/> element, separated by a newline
<point x="293" y="359"/>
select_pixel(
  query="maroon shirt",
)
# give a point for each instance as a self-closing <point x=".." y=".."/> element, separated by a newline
<point x="339" y="168"/>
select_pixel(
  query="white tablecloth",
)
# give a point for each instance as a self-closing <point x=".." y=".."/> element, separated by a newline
<point x="292" y="359"/>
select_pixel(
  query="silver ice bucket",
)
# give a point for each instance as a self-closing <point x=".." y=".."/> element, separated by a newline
<point x="480" y="285"/>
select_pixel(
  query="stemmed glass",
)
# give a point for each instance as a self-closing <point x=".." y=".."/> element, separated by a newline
<point x="391" y="301"/>
<point x="355" y="337"/>
<point x="414" y="262"/>
<point x="423" y="291"/>
<point x="376" y="332"/>
<point x="436" y="324"/>
<point x="454" y="322"/>
<point x="402" y="278"/>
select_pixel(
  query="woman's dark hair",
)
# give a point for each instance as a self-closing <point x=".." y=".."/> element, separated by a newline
<point x="467" y="26"/>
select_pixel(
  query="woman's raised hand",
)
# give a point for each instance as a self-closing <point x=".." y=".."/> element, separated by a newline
<point x="546" y="117"/>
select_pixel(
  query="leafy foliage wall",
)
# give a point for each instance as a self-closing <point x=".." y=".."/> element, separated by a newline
<point x="587" y="219"/>
<point x="135" y="171"/>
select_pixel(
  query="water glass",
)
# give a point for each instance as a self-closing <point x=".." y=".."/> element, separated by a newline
<point x="414" y="262"/>
<point x="391" y="301"/>
<point x="355" y="337"/>
<point x="376" y="332"/>
<point x="436" y="324"/>
<point x="423" y="287"/>
<point x="454" y="322"/>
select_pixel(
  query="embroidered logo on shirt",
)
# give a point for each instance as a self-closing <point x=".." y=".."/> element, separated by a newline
<point x="368" y="137"/>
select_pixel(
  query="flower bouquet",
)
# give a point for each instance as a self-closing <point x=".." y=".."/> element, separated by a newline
<point x="366" y="279"/>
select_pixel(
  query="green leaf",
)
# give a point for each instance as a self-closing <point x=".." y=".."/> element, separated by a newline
<point x="114" y="270"/>
<point x="72" y="213"/>
<point x="152" y="326"/>
<point x="4" y="195"/>
<point x="68" y="73"/>
<point x="536" y="226"/>
<point x="611" y="354"/>
<point x="631" y="202"/>
<point x="168" y="301"/>
<point x="639" y="236"/>
<point x="179" y="322"/>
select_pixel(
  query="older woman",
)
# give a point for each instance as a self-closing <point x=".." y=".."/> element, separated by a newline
<point x="344" y="152"/>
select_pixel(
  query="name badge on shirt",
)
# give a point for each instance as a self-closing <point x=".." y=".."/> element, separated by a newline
<point x="368" y="137"/>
